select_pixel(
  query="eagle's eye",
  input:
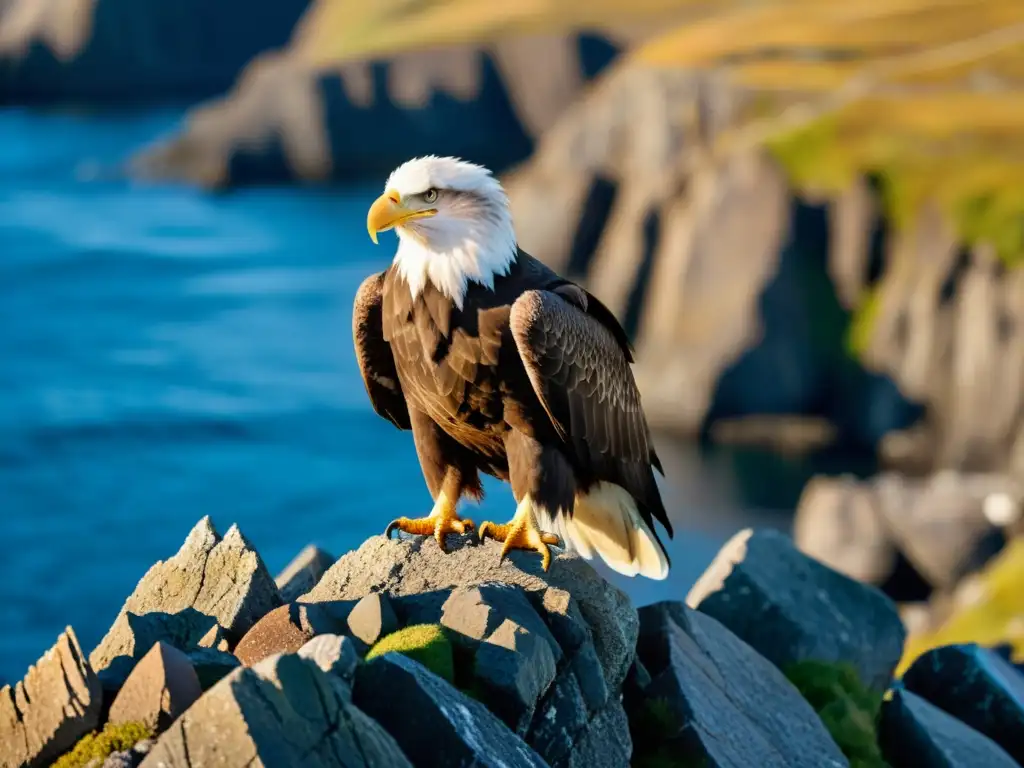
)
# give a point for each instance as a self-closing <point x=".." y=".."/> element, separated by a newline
<point x="430" y="195"/>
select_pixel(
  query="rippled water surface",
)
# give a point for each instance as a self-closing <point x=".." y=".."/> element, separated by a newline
<point x="166" y="354"/>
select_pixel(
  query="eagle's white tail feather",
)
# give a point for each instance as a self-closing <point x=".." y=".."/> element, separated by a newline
<point x="606" y="522"/>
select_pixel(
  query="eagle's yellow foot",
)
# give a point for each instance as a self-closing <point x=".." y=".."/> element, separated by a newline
<point x="522" y="533"/>
<point x="441" y="521"/>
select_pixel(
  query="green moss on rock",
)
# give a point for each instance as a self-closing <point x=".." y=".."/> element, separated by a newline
<point x="848" y="709"/>
<point x="426" y="643"/>
<point x="99" y="746"/>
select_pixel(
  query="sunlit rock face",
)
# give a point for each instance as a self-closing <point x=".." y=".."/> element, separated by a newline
<point x="290" y="120"/>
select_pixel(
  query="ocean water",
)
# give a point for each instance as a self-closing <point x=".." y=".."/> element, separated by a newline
<point x="166" y="354"/>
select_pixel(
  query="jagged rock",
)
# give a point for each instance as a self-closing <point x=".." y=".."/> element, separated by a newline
<point x="209" y="581"/>
<point x="303" y="572"/>
<point x="57" y="703"/>
<point x="792" y="608"/>
<point x="433" y="721"/>
<point x="282" y="711"/>
<point x="289" y="120"/>
<point x="417" y="567"/>
<point x="288" y="628"/>
<point x="722" y="702"/>
<point x="916" y="734"/>
<point x="334" y="654"/>
<point x="976" y="686"/>
<point x="160" y="688"/>
<point x="514" y="653"/>
<point x="568" y="623"/>
<point x="211" y="665"/>
<point x="105" y="50"/>
<point x="371" y="619"/>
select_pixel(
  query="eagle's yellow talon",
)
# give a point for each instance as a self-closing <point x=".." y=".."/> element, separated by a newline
<point x="521" y="533"/>
<point x="439" y="523"/>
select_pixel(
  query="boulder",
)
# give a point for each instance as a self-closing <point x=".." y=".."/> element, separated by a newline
<point x="417" y="567"/>
<point x="303" y="572"/>
<point x="158" y="691"/>
<point x="433" y="721"/>
<point x="916" y="734"/>
<point x="282" y="711"/>
<point x="57" y="703"/>
<point x="978" y="687"/>
<point x="792" y="608"/>
<point x="371" y="619"/>
<point x="712" y="697"/>
<point x="211" y="665"/>
<point x="287" y="628"/>
<point x="210" y="581"/>
<point x="118" y="51"/>
<point x="547" y="652"/>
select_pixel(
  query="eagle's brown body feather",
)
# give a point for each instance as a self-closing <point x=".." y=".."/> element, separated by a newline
<point x="528" y="382"/>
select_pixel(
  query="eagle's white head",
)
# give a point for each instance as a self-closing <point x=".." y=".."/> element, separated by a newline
<point x="453" y="224"/>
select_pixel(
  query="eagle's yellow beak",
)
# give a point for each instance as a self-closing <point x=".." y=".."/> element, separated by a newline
<point x="389" y="211"/>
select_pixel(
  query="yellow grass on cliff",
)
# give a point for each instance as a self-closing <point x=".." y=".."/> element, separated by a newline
<point x="993" y="613"/>
<point x="926" y="95"/>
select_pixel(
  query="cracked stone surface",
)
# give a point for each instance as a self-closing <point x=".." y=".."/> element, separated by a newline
<point x="723" y="702"/>
<point x="433" y="721"/>
<point x="56" y="704"/>
<point x="547" y="653"/>
<point x="790" y="607"/>
<point x="210" y="581"/>
<point x="284" y="711"/>
<point x="914" y="733"/>
<point x="414" y="566"/>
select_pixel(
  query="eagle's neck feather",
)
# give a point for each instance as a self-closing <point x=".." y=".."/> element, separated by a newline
<point x="450" y="266"/>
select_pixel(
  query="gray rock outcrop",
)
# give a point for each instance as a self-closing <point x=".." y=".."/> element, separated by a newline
<point x="433" y="721"/>
<point x="210" y="581"/>
<point x="57" y="703"/>
<point x="283" y="711"/>
<point x="791" y="608"/>
<point x="714" y="698"/>
<point x="547" y="652"/>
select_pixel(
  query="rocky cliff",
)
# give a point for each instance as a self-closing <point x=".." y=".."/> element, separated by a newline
<point x="398" y="654"/>
<point x="133" y="51"/>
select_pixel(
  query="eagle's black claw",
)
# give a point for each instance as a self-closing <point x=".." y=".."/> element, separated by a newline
<point x="390" y="529"/>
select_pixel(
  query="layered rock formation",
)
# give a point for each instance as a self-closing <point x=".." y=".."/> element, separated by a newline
<point x="402" y="655"/>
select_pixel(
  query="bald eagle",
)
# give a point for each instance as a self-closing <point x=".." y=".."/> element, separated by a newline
<point x="498" y="365"/>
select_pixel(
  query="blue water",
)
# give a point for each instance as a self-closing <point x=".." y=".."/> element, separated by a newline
<point x="166" y="354"/>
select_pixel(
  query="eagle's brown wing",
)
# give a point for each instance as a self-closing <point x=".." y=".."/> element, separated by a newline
<point x="581" y="375"/>
<point x="373" y="353"/>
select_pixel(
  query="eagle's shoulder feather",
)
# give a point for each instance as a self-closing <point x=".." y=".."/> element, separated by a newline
<point x="373" y="353"/>
<point x="581" y="375"/>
